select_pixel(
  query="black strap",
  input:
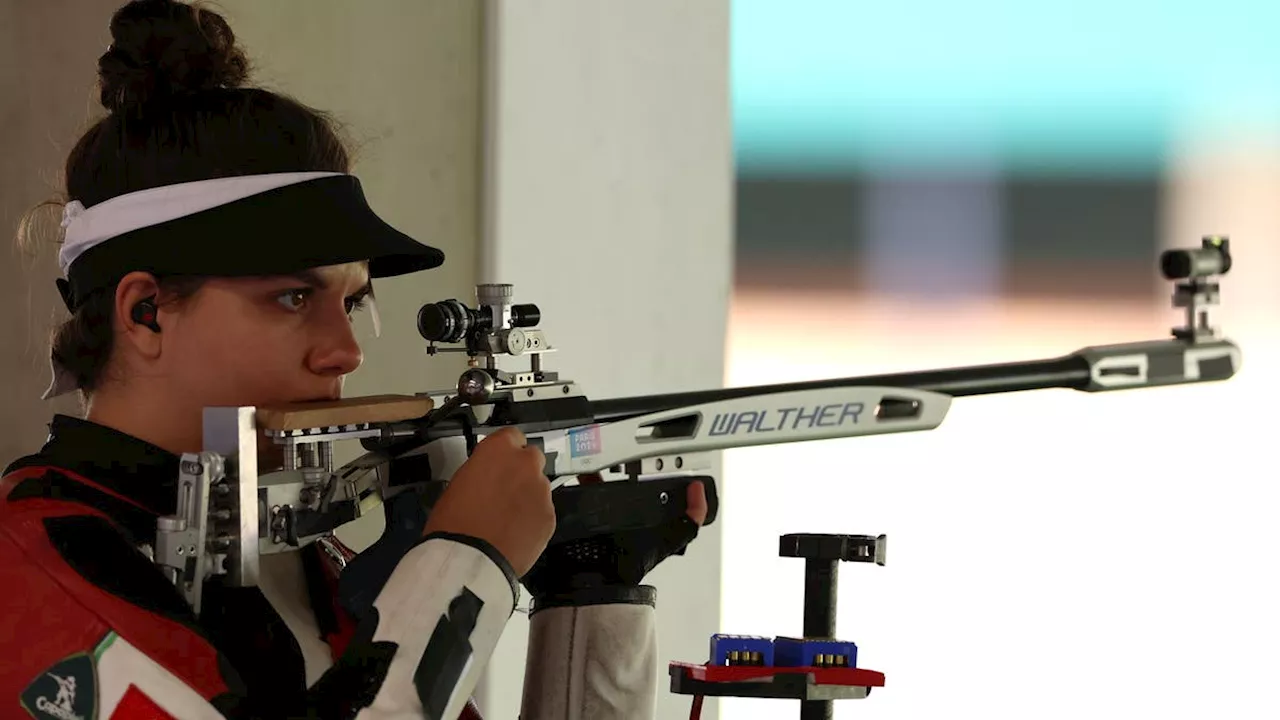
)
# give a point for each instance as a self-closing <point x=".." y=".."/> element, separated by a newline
<point x="604" y="595"/>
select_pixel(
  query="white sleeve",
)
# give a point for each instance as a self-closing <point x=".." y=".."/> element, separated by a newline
<point x="439" y="617"/>
<point x="592" y="662"/>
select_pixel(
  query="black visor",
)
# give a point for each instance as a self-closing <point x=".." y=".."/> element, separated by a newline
<point x="325" y="221"/>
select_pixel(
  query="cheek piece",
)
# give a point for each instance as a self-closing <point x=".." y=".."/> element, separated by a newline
<point x="144" y="313"/>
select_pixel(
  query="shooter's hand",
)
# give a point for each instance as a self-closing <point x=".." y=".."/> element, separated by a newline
<point x="502" y="496"/>
<point x="611" y="567"/>
<point x="499" y="495"/>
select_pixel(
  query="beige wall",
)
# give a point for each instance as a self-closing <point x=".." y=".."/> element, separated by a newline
<point x="47" y="67"/>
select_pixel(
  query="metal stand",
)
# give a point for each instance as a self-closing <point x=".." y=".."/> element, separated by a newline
<point x="823" y="555"/>
<point x="815" y="684"/>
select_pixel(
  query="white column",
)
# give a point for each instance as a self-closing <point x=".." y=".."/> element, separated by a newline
<point x="609" y="205"/>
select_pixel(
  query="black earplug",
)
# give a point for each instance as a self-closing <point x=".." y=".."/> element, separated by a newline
<point x="144" y="313"/>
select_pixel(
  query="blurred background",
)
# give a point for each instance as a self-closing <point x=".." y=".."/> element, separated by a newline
<point x="925" y="184"/>
<point x="835" y="188"/>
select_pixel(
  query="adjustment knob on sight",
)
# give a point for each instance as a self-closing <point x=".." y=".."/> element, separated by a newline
<point x="845" y="548"/>
<point x="509" y="342"/>
<point x="491" y="294"/>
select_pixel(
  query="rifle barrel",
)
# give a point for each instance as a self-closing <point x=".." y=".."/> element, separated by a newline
<point x="1071" y="372"/>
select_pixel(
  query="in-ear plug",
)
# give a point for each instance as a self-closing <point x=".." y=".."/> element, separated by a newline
<point x="144" y="313"/>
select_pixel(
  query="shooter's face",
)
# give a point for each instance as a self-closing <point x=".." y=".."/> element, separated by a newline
<point x="264" y="341"/>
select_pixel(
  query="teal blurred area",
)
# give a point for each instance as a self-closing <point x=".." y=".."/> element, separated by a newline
<point x="990" y="150"/>
<point x="1090" y="87"/>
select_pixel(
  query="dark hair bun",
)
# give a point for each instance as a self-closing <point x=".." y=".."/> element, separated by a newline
<point x="161" y="49"/>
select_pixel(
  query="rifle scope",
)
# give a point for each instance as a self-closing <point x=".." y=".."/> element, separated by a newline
<point x="450" y="321"/>
<point x="1212" y="258"/>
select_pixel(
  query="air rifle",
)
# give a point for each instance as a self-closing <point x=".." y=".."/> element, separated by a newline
<point x="646" y="449"/>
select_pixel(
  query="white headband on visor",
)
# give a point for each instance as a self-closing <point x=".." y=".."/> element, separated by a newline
<point x="87" y="228"/>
